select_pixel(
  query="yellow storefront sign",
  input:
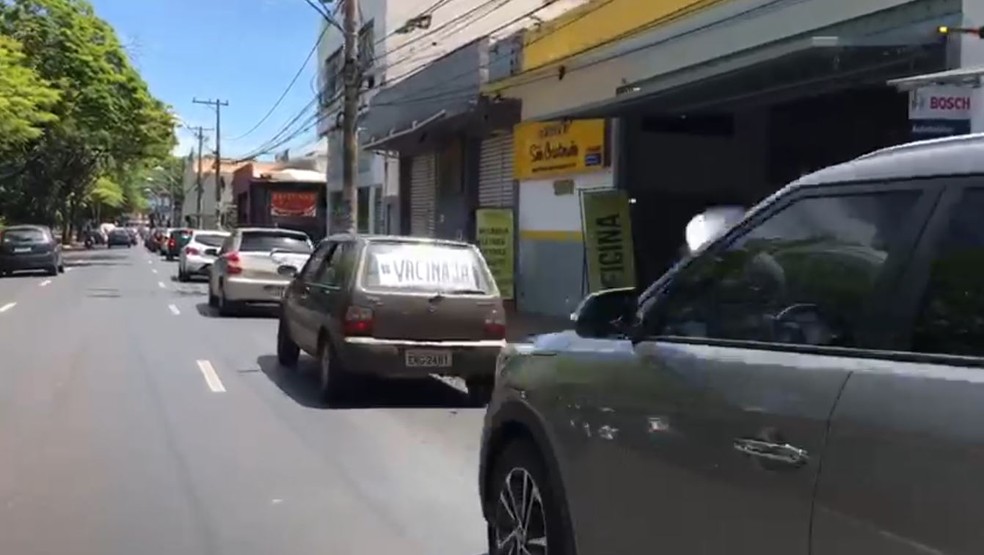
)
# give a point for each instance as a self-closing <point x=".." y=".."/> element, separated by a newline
<point x="496" y="235"/>
<point x="558" y="148"/>
<point x="608" y="240"/>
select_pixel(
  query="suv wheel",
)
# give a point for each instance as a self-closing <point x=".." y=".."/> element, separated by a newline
<point x="526" y="515"/>
<point x="226" y="307"/>
<point x="53" y="271"/>
<point x="213" y="301"/>
<point x="287" y="351"/>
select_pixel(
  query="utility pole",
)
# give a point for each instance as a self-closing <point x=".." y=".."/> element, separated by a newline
<point x="199" y="187"/>
<point x="350" y="144"/>
<point x="218" y="105"/>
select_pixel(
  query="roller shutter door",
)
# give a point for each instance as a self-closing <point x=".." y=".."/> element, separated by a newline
<point x="495" y="173"/>
<point x="423" y="192"/>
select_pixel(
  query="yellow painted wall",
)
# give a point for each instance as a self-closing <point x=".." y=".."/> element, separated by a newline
<point x="599" y="22"/>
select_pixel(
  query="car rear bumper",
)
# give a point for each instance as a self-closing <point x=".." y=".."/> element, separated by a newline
<point x="388" y="357"/>
<point x="250" y="290"/>
<point x="197" y="265"/>
<point x="18" y="262"/>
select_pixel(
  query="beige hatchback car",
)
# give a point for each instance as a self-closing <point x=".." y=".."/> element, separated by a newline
<point x="245" y="271"/>
<point x="394" y="307"/>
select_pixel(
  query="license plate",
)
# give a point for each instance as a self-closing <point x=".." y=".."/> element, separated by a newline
<point x="275" y="290"/>
<point x="428" y="359"/>
<point x="22" y="249"/>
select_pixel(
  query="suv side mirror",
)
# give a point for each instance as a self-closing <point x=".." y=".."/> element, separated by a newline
<point x="605" y="313"/>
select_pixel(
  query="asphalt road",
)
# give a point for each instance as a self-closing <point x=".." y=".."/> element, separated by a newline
<point x="134" y="420"/>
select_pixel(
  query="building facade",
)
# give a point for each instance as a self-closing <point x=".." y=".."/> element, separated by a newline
<point x="397" y="40"/>
<point x="715" y="103"/>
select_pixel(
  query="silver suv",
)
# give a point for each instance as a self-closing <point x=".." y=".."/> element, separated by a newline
<point x="812" y="382"/>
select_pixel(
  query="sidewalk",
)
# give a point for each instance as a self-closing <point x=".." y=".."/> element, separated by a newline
<point x="520" y="325"/>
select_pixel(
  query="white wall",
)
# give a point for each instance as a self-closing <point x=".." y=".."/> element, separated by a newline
<point x="541" y="209"/>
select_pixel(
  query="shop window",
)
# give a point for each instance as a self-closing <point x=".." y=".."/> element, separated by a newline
<point x="332" y="75"/>
<point x="802" y="276"/>
<point x="951" y="320"/>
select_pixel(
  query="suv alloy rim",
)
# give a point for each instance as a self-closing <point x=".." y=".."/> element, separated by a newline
<point x="520" y="525"/>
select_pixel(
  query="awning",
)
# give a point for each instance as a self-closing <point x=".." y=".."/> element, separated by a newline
<point x="966" y="76"/>
<point x="768" y="73"/>
<point x="394" y="136"/>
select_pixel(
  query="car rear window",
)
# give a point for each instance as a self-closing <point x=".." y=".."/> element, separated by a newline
<point x="265" y="241"/>
<point x="180" y="233"/>
<point x="24" y="236"/>
<point x="210" y="239"/>
<point x="425" y="268"/>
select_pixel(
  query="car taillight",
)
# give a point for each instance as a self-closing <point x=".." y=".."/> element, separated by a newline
<point x="358" y="321"/>
<point x="192" y="251"/>
<point x="495" y="325"/>
<point x="232" y="263"/>
<point x="171" y="243"/>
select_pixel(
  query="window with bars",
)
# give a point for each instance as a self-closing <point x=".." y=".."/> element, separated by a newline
<point x="367" y="46"/>
<point x="332" y="78"/>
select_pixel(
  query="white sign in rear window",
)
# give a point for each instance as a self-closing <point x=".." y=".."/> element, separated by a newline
<point x="411" y="267"/>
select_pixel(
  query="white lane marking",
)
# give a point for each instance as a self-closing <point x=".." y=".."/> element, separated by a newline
<point x="154" y="270"/>
<point x="161" y="284"/>
<point x="174" y="310"/>
<point x="211" y="377"/>
<point x="45" y="283"/>
<point x="7" y="307"/>
<point x="452" y="382"/>
<point x="150" y="261"/>
<point x="67" y="270"/>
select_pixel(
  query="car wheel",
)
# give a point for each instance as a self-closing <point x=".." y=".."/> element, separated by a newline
<point x="226" y="307"/>
<point x="182" y="276"/>
<point x="525" y="514"/>
<point x="288" y="352"/>
<point x="213" y="301"/>
<point x="53" y="271"/>
<point x="334" y="382"/>
<point x="480" y="391"/>
<point x="61" y="268"/>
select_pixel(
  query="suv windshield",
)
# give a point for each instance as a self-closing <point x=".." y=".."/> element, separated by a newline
<point x="24" y="236"/>
<point x="423" y="267"/>
<point x="266" y="241"/>
<point x="210" y="239"/>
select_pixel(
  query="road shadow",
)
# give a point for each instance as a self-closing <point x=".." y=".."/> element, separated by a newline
<point x="96" y="258"/>
<point x="301" y="385"/>
<point x="249" y="311"/>
<point x="27" y="274"/>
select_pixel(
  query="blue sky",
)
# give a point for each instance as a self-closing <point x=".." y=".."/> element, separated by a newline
<point x="243" y="51"/>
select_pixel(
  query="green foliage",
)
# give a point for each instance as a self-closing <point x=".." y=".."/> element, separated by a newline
<point x="106" y="192"/>
<point x="25" y="98"/>
<point x="102" y="120"/>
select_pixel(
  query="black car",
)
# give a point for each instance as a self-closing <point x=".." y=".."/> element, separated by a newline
<point x="120" y="237"/>
<point x="29" y="248"/>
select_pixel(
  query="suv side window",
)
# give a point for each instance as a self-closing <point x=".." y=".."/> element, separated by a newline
<point x="801" y="276"/>
<point x="951" y="318"/>
<point x="335" y="272"/>
<point x="314" y="262"/>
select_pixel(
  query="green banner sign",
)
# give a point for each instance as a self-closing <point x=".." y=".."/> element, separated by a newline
<point x="495" y="236"/>
<point x="608" y="240"/>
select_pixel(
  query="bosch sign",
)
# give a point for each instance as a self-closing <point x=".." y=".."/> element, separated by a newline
<point x="942" y="102"/>
<point x="949" y="103"/>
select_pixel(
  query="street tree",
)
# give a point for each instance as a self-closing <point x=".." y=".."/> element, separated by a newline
<point x="108" y="123"/>
<point x="25" y="98"/>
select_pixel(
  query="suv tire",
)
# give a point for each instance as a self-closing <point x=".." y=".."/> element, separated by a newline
<point x="288" y="352"/>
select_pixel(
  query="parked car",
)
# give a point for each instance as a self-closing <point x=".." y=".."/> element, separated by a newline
<point x="29" y="248"/>
<point x="839" y="323"/>
<point x="119" y="237"/>
<point x="156" y="239"/>
<point x="246" y="271"/>
<point x="394" y="307"/>
<point x="199" y="254"/>
<point x="176" y="240"/>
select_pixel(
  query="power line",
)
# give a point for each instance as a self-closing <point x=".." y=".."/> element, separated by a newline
<point x="290" y="86"/>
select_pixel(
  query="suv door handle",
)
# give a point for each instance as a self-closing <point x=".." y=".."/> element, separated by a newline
<point x="783" y="453"/>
